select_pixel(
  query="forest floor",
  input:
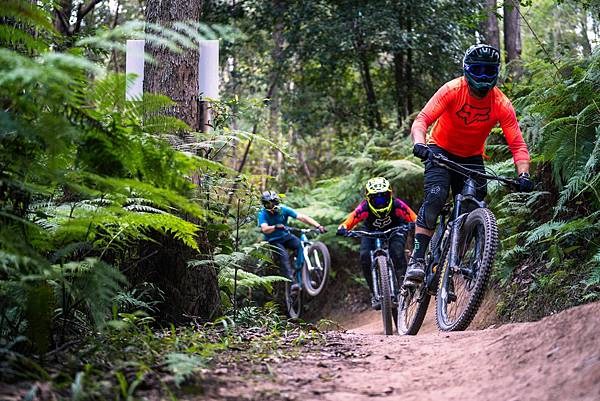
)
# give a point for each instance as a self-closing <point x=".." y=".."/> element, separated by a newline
<point x="557" y="358"/>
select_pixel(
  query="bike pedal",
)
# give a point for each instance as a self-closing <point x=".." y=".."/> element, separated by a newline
<point x="408" y="283"/>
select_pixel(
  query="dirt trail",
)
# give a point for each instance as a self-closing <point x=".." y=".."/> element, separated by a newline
<point x="557" y="358"/>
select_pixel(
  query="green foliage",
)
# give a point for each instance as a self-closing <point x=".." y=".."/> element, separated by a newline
<point x="553" y="232"/>
<point x="331" y="200"/>
<point x="182" y="365"/>
<point x="86" y="176"/>
<point x="234" y="275"/>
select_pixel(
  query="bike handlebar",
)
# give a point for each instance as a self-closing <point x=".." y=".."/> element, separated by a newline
<point x="378" y="234"/>
<point x="301" y="230"/>
<point x="443" y="161"/>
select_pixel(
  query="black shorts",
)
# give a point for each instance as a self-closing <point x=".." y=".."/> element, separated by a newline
<point x="439" y="181"/>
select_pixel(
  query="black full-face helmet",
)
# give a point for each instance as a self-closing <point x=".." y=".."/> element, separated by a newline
<point x="481" y="65"/>
<point x="270" y="200"/>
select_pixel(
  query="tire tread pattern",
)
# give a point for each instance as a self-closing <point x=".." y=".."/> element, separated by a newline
<point x="386" y="296"/>
<point x="326" y="266"/>
<point x="489" y="253"/>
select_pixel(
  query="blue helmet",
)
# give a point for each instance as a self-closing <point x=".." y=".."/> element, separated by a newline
<point x="270" y="200"/>
<point x="481" y="65"/>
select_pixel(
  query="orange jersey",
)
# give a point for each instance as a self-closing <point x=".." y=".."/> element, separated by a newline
<point x="464" y="122"/>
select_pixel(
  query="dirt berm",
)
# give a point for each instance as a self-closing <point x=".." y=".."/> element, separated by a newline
<point x="557" y="358"/>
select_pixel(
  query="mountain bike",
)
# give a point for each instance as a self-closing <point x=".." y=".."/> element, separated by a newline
<point x="311" y="276"/>
<point x="385" y="281"/>
<point x="458" y="261"/>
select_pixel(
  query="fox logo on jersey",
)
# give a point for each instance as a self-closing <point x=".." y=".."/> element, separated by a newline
<point x="471" y="114"/>
<point x="380" y="223"/>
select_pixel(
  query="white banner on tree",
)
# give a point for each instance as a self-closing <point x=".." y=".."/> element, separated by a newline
<point x="208" y="70"/>
<point x="134" y="64"/>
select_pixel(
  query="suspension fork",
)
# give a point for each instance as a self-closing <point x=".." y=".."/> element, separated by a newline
<point x="454" y="234"/>
<point x="457" y="222"/>
<point x="374" y="272"/>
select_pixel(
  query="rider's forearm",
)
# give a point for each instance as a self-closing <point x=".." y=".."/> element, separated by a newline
<point x="266" y="229"/>
<point x="418" y="135"/>
<point x="308" y="220"/>
<point x="522" y="166"/>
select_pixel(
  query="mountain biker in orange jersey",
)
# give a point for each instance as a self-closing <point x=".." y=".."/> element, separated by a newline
<point x="464" y="111"/>
<point x="380" y="211"/>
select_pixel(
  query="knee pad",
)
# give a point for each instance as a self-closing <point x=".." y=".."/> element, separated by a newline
<point x="430" y="209"/>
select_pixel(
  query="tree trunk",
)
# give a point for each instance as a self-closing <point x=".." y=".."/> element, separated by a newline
<point x="189" y="291"/>
<point x="399" y="85"/>
<point x="62" y="16"/>
<point x="512" y="38"/>
<point x="585" y="40"/>
<point x="174" y="75"/>
<point x="489" y="26"/>
<point x="408" y="98"/>
<point x="374" y="117"/>
<point x="365" y="73"/>
<point x="274" y="105"/>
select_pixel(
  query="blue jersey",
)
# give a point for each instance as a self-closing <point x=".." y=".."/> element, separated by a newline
<point x="281" y="217"/>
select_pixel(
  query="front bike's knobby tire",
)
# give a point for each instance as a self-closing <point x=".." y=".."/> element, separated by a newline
<point x="386" y="296"/>
<point x="321" y="273"/>
<point x="410" y="324"/>
<point x="484" y="218"/>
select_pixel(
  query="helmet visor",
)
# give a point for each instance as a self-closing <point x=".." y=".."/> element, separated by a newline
<point x="380" y="200"/>
<point x="483" y="71"/>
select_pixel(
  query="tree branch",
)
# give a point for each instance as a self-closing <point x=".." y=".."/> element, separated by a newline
<point x="82" y="11"/>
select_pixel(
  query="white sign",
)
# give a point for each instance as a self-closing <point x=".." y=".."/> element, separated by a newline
<point x="134" y="64"/>
<point x="208" y="70"/>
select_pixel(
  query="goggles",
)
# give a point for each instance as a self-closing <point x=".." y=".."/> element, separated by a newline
<point x="380" y="200"/>
<point x="271" y="205"/>
<point x="489" y="71"/>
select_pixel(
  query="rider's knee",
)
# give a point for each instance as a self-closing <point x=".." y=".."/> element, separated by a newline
<point x="432" y="206"/>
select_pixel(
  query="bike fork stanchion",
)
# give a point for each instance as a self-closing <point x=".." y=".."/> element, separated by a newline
<point x="375" y="278"/>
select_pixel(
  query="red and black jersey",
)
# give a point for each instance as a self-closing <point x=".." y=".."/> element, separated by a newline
<point x="399" y="214"/>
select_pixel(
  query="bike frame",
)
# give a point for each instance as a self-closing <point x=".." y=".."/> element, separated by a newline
<point x="381" y="249"/>
<point x="305" y="244"/>
<point x="466" y="198"/>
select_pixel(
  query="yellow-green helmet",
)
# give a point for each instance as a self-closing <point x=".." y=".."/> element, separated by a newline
<point x="378" y="192"/>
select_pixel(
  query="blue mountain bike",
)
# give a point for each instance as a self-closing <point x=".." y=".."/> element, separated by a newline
<point x="310" y="273"/>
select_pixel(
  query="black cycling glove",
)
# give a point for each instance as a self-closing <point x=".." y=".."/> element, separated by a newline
<point x="422" y="151"/>
<point x="342" y="231"/>
<point x="525" y="183"/>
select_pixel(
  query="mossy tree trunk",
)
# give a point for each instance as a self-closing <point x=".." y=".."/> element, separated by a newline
<point x="188" y="291"/>
<point x="174" y="74"/>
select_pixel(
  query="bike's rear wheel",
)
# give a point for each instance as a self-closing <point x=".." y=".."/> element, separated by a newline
<point x="315" y="279"/>
<point x="293" y="301"/>
<point x="386" y="295"/>
<point x="477" y="247"/>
